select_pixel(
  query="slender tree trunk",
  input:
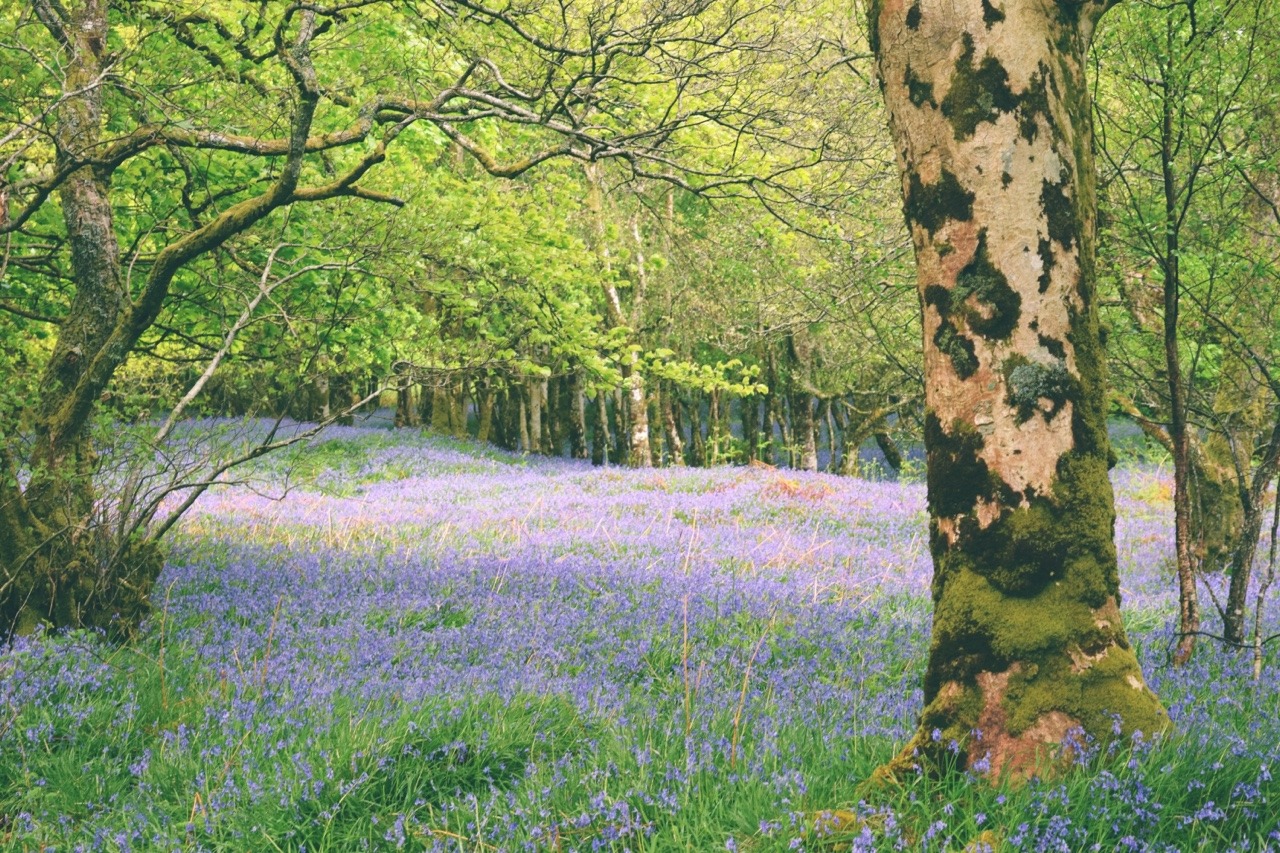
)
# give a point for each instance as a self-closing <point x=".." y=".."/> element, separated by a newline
<point x="621" y="426"/>
<point x="778" y="416"/>
<point x="767" y="443"/>
<point x="828" y="419"/>
<point x="1188" y="601"/>
<point x="639" y="454"/>
<point x="533" y="393"/>
<point x="407" y="414"/>
<point x="697" y="444"/>
<point x="1264" y="473"/>
<point x="600" y="440"/>
<point x="750" y="418"/>
<point x="578" y="418"/>
<point x="990" y="114"/>
<point x="484" y="413"/>
<point x="849" y="438"/>
<point x="713" y="427"/>
<point x="525" y="445"/>
<point x="675" y="446"/>
<point x="802" y="425"/>
<point x="551" y="422"/>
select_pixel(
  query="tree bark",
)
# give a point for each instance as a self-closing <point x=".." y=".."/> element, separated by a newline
<point x="1188" y="601"/>
<point x="850" y="463"/>
<point x="600" y="437"/>
<point x="484" y="410"/>
<point x="990" y="114"/>
<point x="578" y="418"/>
<point x="697" y="443"/>
<point x="888" y="447"/>
<point x="802" y="423"/>
<point x="533" y="393"/>
<point x="675" y="445"/>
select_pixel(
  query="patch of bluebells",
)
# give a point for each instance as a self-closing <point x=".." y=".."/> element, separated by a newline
<point x="714" y="631"/>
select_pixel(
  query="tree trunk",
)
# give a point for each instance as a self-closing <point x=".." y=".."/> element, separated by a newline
<point x="458" y="407"/>
<point x="713" y="427"/>
<point x="533" y="394"/>
<point x="600" y="437"/>
<point x="675" y="446"/>
<point x="767" y="443"/>
<point x="892" y="455"/>
<point x="828" y="420"/>
<point x="52" y="570"/>
<point x="484" y="413"/>
<point x="1246" y="545"/>
<point x="525" y="446"/>
<point x="802" y="424"/>
<point x="578" y="418"/>
<point x="850" y="463"/>
<point x="342" y="393"/>
<point x="1188" y="602"/>
<point x="551" y="422"/>
<point x="697" y="444"/>
<point x="621" y="427"/>
<point x="778" y="417"/>
<point x="639" y="454"/>
<point x="750" y="418"/>
<point x="990" y="113"/>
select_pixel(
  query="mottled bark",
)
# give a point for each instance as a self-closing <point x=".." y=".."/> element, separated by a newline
<point x="990" y="113"/>
<point x="52" y="571"/>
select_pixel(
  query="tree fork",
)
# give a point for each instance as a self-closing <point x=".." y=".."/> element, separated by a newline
<point x="990" y="114"/>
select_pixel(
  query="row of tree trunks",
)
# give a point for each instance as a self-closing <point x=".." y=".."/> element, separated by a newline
<point x="557" y="416"/>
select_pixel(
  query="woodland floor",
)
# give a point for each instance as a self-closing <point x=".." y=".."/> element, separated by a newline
<point x="431" y="645"/>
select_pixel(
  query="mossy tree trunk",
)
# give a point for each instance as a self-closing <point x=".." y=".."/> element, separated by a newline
<point x="990" y="113"/>
<point x="60" y="565"/>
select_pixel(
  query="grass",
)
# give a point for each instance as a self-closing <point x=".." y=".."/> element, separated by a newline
<point x="540" y="665"/>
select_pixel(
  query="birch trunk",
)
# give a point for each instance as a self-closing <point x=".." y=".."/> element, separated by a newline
<point x="990" y="115"/>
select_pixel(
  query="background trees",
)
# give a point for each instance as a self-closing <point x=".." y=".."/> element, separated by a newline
<point x="157" y="151"/>
<point x="1192" y="270"/>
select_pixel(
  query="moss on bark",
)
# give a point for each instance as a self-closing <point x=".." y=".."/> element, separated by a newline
<point x="979" y="92"/>
<point x="983" y="297"/>
<point x="931" y="205"/>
